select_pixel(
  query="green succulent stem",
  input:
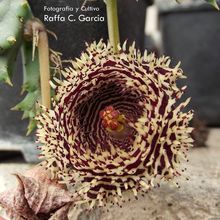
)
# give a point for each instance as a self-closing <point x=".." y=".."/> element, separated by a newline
<point x="113" y="27"/>
<point x="13" y="15"/>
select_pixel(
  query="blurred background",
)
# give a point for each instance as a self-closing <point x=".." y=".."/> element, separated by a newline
<point x="187" y="32"/>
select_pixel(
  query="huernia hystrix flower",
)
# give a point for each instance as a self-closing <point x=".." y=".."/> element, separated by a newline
<point x="117" y="123"/>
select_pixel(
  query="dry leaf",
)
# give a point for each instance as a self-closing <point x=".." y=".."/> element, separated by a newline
<point x="61" y="214"/>
<point x="37" y="197"/>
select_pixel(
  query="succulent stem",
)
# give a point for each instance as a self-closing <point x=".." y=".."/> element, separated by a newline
<point x="13" y="14"/>
<point x="113" y="28"/>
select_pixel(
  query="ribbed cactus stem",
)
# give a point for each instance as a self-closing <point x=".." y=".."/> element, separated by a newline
<point x="13" y="14"/>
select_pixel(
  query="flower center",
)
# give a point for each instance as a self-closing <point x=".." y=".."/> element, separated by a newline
<point x="112" y="119"/>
